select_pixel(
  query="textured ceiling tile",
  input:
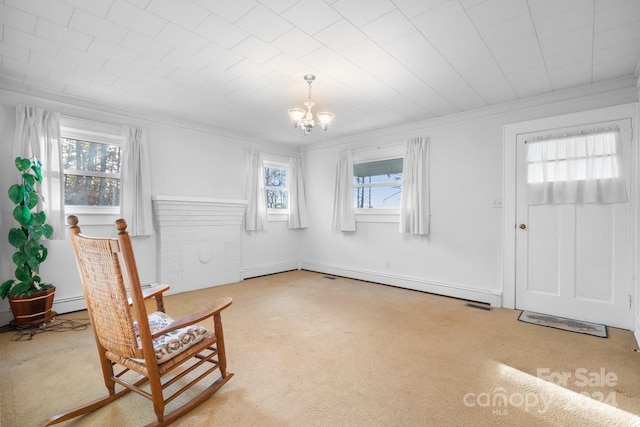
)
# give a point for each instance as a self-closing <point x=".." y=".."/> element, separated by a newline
<point x="219" y="56"/>
<point x="614" y="14"/>
<point x="413" y="8"/>
<point x="68" y="79"/>
<point x="614" y="36"/>
<point x="221" y="32"/>
<point x="79" y="57"/>
<point x="359" y="14"/>
<point x="506" y="32"/>
<point x="435" y="71"/>
<point x="183" y="13"/>
<point x="63" y="35"/>
<point x="278" y="6"/>
<point x="122" y="70"/>
<point x="145" y="64"/>
<point x="92" y="25"/>
<point x="465" y="51"/>
<point x="229" y="10"/>
<point x="45" y="83"/>
<point x="256" y="50"/>
<point x="14" y="52"/>
<point x="29" y="41"/>
<point x="53" y="10"/>
<point x="47" y="61"/>
<point x="144" y="45"/>
<point x="340" y="35"/>
<point x="182" y="39"/>
<point x="388" y="28"/>
<point x="264" y="24"/>
<point x="557" y="25"/>
<point x="111" y="51"/>
<point x="128" y="15"/>
<point x="578" y="74"/>
<point x="521" y="53"/>
<point x="17" y="19"/>
<point x="24" y="67"/>
<point x="296" y="43"/>
<point x="613" y="68"/>
<point x="96" y="7"/>
<point x="492" y="12"/>
<point x="140" y="3"/>
<point x="96" y="76"/>
<point x="181" y="59"/>
<point x="530" y="81"/>
<point x="629" y="49"/>
<point x="285" y="64"/>
<point x="568" y="43"/>
<point x="311" y="16"/>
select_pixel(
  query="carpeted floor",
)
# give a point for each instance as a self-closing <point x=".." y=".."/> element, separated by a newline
<point x="307" y="351"/>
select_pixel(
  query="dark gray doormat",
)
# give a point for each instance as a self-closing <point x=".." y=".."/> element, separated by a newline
<point x="570" y="325"/>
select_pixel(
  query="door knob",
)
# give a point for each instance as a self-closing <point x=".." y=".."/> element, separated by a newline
<point x="522" y="226"/>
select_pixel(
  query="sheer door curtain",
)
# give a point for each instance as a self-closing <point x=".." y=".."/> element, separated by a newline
<point x="581" y="168"/>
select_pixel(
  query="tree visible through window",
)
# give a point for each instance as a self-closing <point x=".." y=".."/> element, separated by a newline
<point x="377" y="184"/>
<point x="91" y="172"/>
<point x="275" y="179"/>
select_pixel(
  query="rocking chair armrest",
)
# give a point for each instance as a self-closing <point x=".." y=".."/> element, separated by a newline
<point x="209" y="311"/>
<point x="155" y="290"/>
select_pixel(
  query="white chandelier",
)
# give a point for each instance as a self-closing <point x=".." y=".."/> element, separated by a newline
<point x="304" y="119"/>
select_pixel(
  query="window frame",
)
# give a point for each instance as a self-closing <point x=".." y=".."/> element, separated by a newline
<point x="103" y="133"/>
<point x="278" y="214"/>
<point x="395" y="151"/>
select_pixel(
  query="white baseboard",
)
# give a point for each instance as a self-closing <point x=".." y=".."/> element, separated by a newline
<point x="494" y="298"/>
<point x="60" y="306"/>
<point x="263" y="270"/>
<point x="636" y="332"/>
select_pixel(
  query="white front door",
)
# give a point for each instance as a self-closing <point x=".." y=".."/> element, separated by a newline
<point x="574" y="260"/>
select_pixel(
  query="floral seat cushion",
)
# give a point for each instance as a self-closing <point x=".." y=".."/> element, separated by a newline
<point x="170" y="345"/>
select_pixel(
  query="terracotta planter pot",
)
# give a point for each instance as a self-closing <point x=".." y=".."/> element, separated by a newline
<point x="34" y="309"/>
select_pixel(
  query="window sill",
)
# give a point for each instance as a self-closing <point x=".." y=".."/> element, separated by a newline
<point x="378" y="215"/>
<point x="274" y="217"/>
<point x="91" y="215"/>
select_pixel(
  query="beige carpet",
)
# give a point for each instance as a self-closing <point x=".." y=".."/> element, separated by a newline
<point x="308" y="351"/>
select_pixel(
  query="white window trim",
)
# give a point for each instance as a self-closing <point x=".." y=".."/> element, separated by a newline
<point x="391" y="215"/>
<point x="279" y="214"/>
<point x="88" y="130"/>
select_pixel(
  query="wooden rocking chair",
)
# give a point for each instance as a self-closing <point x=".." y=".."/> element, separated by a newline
<point x="147" y="347"/>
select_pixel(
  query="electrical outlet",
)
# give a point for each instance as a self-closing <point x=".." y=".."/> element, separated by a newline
<point x="497" y="203"/>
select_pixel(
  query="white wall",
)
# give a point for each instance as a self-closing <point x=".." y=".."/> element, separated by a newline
<point x="184" y="162"/>
<point x="462" y="256"/>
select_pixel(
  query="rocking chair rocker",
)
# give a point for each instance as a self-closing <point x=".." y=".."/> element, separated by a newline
<point x="147" y="347"/>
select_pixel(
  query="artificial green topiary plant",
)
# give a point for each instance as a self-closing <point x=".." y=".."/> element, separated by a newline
<point x="27" y="238"/>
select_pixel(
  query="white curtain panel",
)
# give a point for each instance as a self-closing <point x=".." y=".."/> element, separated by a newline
<point x="344" y="217"/>
<point x="38" y="134"/>
<point x="135" y="196"/>
<point x="256" y="213"/>
<point x="297" y="199"/>
<point x="414" y="206"/>
<point x="583" y="168"/>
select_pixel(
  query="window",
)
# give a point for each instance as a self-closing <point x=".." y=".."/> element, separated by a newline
<point x="91" y="160"/>
<point x="277" y="187"/>
<point x="377" y="184"/>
